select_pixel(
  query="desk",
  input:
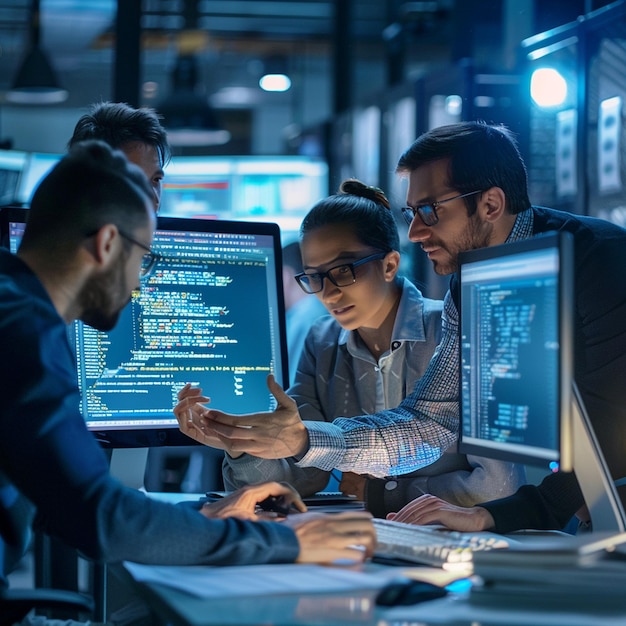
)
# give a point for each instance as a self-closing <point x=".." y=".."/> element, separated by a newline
<point x="108" y="594"/>
<point x="178" y="608"/>
<point x="558" y="594"/>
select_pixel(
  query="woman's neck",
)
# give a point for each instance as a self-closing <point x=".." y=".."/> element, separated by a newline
<point x="378" y="340"/>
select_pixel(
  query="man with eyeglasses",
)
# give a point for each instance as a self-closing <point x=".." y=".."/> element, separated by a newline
<point x="468" y="190"/>
<point x="85" y="247"/>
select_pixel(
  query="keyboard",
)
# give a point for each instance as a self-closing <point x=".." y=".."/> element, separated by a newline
<point x="329" y="498"/>
<point x="426" y="545"/>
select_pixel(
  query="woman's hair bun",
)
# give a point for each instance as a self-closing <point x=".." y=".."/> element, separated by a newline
<point x="355" y="187"/>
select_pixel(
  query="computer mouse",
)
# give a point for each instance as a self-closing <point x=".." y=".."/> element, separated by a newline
<point x="405" y="591"/>
<point x="275" y="504"/>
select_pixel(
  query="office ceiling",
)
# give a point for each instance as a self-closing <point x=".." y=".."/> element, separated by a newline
<point x="231" y="38"/>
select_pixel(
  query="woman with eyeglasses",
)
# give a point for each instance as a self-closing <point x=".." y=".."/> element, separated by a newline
<point x="363" y="357"/>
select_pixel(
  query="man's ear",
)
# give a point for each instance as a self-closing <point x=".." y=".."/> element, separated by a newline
<point x="106" y="242"/>
<point x="492" y="204"/>
<point x="392" y="265"/>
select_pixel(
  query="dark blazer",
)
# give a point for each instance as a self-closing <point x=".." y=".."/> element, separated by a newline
<point x="599" y="368"/>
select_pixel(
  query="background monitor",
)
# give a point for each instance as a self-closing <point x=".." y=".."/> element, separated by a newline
<point x="265" y="189"/>
<point x="519" y="400"/>
<point x="37" y="166"/>
<point x="12" y="224"/>
<point x="12" y="163"/>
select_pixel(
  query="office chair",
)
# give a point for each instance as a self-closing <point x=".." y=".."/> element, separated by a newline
<point x="16" y="603"/>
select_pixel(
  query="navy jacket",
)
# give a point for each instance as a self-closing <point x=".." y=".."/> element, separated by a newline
<point x="50" y="464"/>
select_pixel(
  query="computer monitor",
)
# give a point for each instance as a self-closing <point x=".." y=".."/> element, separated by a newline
<point x="516" y="350"/>
<point x="212" y="314"/>
<point x="38" y="164"/>
<point x="278" y="189"/>
<point x="12" y="224"/>
<point x="12" y="162"/>
<point x="519" y="400"/>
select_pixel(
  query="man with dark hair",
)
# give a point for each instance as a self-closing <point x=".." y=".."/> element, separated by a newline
<point x="136" y="132"/>
<point x="85" y="248"/>
<point x="467" y="190"/>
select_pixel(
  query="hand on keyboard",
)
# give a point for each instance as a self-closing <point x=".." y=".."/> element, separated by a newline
<point x="429" y="509"/>
<point x="426" y="545"/>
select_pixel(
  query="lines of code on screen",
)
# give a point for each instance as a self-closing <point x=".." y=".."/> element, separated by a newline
<point x="510" y="348"/>
<point x="207" y="315"/>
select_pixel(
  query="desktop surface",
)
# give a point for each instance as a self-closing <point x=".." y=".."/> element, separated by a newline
<point x="461" y="607"/>
<point x="516" y="593"/>
<point x="176" y="606"/>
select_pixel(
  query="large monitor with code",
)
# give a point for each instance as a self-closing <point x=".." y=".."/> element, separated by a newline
<point x="211" y="314"/>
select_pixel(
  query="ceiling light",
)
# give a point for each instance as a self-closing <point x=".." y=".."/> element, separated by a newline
<point x="187" y="115"/>
<point x="275" y="77"/>
<point x="548" y="88"/>
<point x="35" y="81"/>
<point x="275" y="82"/>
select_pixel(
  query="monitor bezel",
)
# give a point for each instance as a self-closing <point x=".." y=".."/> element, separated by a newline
<point x="563" y="242"/>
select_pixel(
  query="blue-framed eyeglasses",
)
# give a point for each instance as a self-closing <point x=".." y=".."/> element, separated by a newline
<point x="428" y="212"/>
<point x="341" y="275"/>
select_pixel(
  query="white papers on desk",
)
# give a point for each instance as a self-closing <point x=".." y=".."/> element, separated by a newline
<point x="254" y="580"/>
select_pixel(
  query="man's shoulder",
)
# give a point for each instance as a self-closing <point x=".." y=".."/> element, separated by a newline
<point x="546" y="219"/>
<point x="25" y="308"/>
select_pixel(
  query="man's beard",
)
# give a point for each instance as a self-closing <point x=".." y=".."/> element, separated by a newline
<point x="478" y="235"/>
<point x="104" y="298"/>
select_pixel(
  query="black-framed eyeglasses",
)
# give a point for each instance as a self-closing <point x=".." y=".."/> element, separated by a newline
<point x="149" y="259"/>
<point x="428" y="212"/>
<point x="340" y="275"/>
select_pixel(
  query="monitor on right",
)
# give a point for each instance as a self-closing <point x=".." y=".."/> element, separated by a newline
<point x="519" y="400"/>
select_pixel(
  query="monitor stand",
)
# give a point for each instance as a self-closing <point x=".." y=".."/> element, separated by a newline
<point x="128" y="465"/>
<point x="594" y="478"/>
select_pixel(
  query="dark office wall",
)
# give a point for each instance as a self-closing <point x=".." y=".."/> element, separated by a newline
<point x="606" y="165"/>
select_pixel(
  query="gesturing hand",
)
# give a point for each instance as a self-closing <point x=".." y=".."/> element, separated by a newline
<point x="189" y="412"/>
<point x="269" y="435"/>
